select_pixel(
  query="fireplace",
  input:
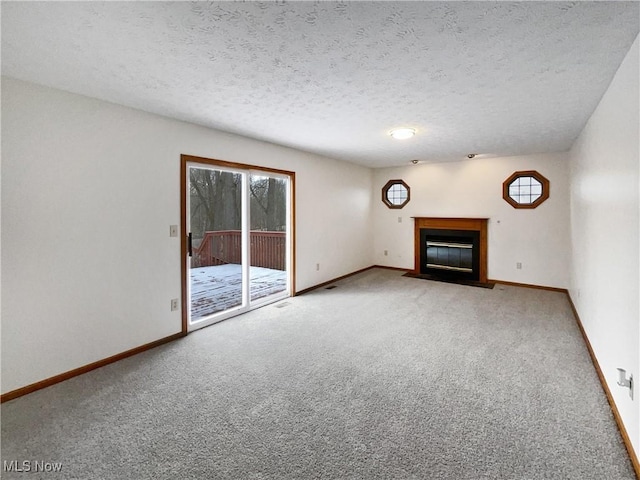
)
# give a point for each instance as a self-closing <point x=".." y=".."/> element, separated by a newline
<point x="450" y="253"/>
<point x="452" y="248"/>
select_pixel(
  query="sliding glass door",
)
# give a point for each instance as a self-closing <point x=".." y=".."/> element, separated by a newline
<point x="238" y="241"/>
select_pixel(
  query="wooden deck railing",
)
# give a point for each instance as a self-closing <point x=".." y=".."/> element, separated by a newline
<point x="267" y="249"/>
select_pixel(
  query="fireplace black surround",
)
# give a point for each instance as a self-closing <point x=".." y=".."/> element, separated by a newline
<point x="451" y="254"/>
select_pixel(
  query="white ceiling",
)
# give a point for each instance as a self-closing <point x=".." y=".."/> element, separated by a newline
<point x="495" y="78"/>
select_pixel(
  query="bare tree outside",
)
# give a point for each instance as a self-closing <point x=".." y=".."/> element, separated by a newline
<point x="216" y="202"/>
<point x="268" y="203"/>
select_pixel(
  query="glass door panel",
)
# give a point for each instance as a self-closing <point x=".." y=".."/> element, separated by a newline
<point x="269" y="218"/>
<point x="215" y="214"/>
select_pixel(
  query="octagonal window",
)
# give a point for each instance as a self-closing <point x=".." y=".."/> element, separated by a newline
<point x="526" y="189"/>
<point x="395" y="194"/>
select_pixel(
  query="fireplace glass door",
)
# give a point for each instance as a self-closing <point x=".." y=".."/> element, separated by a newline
<point x="450" y="256"/>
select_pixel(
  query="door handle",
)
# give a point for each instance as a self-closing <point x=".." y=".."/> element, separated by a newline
<point x="190" y="245"/>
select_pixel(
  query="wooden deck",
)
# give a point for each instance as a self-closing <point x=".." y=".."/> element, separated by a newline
<point x="217" y="288"/>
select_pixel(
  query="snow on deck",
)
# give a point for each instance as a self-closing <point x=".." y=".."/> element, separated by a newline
<point x="217" y="288"/>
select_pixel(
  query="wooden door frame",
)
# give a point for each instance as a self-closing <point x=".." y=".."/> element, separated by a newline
<point x="184" y="160"/>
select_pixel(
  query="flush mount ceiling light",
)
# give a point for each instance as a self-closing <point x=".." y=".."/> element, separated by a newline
<point x="402" y="133"/>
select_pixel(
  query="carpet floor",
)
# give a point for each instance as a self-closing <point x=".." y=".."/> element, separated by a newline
<point x="383" y="377"/>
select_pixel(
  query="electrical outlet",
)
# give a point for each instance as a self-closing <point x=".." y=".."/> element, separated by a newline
<point x="317" y="267"/>
<point x="173" y="230"/>
<point x="174" y="304"/>
<point x="386" y="253"/>
<point x="399" y="219"/>
<point x="519" y="266"/>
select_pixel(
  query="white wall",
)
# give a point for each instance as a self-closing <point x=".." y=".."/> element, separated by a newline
<point x="89" y="190"/>
<point x="538" y="238"/>
<point x="605" y="162"/>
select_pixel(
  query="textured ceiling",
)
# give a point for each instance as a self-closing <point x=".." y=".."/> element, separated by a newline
<point x="495" y="78"/>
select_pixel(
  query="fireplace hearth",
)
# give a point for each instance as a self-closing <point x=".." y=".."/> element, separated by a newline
<point x="451" y="248"/>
